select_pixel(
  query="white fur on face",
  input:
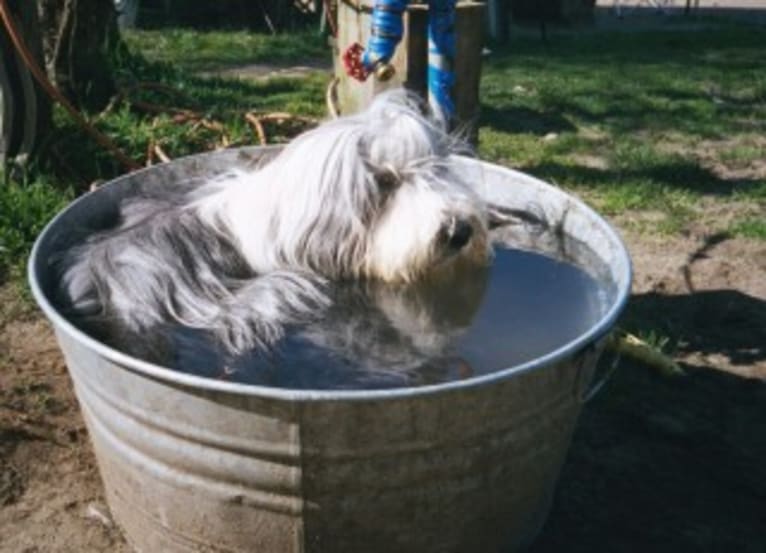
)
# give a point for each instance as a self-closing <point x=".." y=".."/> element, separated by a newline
<point x="370" y="195"/>
<point x="411" y="238"/>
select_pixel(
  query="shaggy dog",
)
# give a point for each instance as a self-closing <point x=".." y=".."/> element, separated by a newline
<point x="376" y="197"/>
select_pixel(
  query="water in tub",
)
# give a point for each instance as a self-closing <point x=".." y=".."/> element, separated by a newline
<point x="374" y="336"/>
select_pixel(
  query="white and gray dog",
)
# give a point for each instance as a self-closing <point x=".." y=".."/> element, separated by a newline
<point x="376" y="196"/>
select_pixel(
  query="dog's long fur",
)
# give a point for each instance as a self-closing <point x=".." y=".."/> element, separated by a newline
<point x="370" y="196"/>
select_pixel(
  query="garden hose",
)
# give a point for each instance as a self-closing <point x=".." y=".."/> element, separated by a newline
<point x="386" y="30"/>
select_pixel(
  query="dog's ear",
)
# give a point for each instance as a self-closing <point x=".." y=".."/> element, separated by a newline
<point x="500" y="216"/>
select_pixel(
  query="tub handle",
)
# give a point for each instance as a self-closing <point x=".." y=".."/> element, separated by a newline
<point x="591" y="379"/>
<point x="600" y="379"/>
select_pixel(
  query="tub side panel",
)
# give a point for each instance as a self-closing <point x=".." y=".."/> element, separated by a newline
<point x="188" y="470"/>
<point x="472" y="470"/>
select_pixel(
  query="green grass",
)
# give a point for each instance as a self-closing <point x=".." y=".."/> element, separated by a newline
<point x="24" y="209"/>
<point x="174" y="86"/>
<point x="749" y="228"/>
<point x="193" y="50"/>
<point x="219" y="101"/>
<point x="634" y="122"/>
<point x="743" y="155"/>
<point x="622" y="118"/>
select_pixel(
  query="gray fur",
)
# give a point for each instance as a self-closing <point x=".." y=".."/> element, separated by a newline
<point x="248" y="253"/>
<point x="164" y="264"/>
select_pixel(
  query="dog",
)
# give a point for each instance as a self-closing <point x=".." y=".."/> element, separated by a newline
<point x="378" y="196"/>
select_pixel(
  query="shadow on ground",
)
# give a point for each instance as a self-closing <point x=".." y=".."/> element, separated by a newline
<point x="682" y="174"/>
<point x="519" y="119"/>
<point x="727" y="323"/>
<point x="672" y="464"/>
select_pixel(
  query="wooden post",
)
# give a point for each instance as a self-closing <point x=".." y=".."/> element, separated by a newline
<point x="411" y="58"/>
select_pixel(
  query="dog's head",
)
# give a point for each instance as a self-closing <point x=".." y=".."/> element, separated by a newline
<point x="429" y="220"/>
<point x="374" y="195"/>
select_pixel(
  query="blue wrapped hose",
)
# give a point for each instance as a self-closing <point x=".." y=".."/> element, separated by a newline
<point x="441" y="57"/>
<point x="386" y="33"/>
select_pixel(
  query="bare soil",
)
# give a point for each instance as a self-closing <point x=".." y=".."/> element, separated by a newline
<point x="657" y="464"/>
<point x="676" y="464"/>
<point x="50" y="493"/>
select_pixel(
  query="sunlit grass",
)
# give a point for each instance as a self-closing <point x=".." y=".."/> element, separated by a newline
<point x="617" y="118"/>
<point x="595" y="113"/>
<point x="749" y="228"/>
<point x="192" y="50"/>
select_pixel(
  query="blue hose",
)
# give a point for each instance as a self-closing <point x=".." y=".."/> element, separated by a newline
<point x="441" y="57"/>
<point x="386" y="33"/>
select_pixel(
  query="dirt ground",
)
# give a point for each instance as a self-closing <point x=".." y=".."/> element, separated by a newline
<point x="663" y="464"/>
<point x="657" y="464"/>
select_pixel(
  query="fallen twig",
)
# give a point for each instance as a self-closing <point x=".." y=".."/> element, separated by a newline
<point x="331" y="98"/>
<point x="255" y="122"/>
<point x="160" y="153"/>
<point x="150" y="153"/>
<point x="282" y="117"/>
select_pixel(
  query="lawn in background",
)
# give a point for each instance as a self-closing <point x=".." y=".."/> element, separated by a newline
<point x="655" y="123"/>
<point x="654" y="126"/>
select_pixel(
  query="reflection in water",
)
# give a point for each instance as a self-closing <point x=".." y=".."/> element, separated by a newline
<point x="383" y="336"/>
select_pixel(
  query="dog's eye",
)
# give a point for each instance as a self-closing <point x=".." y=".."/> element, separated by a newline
<point x="387" y="181"/>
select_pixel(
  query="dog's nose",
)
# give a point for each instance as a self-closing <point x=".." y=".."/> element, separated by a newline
<point x="461" y="235"/>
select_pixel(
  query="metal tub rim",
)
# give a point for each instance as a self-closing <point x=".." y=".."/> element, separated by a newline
<point x="567" y="350"/>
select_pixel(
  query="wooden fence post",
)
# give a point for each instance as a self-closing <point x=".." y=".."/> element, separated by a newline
<point x="411" y="58"/>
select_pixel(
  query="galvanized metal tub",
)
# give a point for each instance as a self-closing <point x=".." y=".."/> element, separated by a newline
<point x="195" y="464"/>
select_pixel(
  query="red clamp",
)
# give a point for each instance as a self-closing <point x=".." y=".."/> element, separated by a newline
<point x="352" y="61"/>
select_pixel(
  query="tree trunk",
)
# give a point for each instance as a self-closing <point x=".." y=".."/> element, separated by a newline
<point x="79" y="37"/>
<point x="24" y="108"/>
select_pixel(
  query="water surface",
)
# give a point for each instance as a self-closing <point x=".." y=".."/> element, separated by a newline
<point x="378" y="336"/>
